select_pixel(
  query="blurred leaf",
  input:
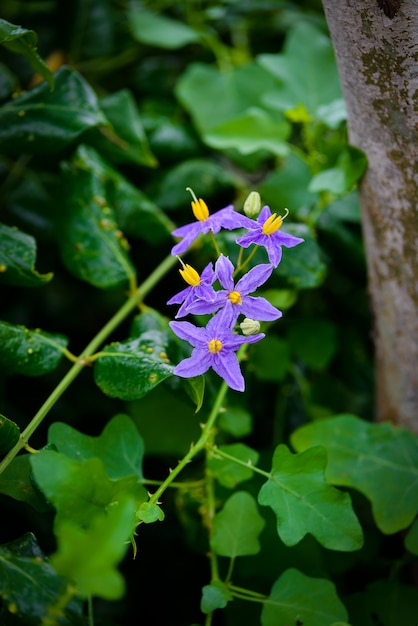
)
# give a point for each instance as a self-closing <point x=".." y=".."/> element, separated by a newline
<point x="242" y="88"/>
<point x="17" y="259"/>
<point x="149" y="513"/>
<point x="288" y="186"/>
<point x="206" y="177"/>
<point x="305" y="503"/>
<point x="313" y="341"/>
<point x="351" y="165"/>
<point x="306" y="70"/>
<point x="387" y="602"/>
<point x="195" y="387"/>
<point x="150" y="319"/>
<point x="154" y="29"/>
<point x="254" y="130"/>
<point x="130" y="369"/>
<point x="215" y="596"/>
<point x="135" y="214"/>
<point x="79" y="490"/>
<point x="40" y="122"/>
<point x="23" y="41"/>
<point x="89" y="557"/>
<point x="236" y="421"/>
<point x="92" y="246"/>
<point x="29" y="352"/>
<point x="270" y="359"/>
<point x="380" y="460"/>
<point x="7" y="82"/>
<point x="29" y="585"/>
<point x="299" y="599"/>
<point x="280" y="298"/>
<point x="302" y="267"/>
<point x="345" y="209"/>
<point x="16" y="482"/>
<point x="226" y="471"/>
<point x="237" y="526"/>
<point x="9" y="435"/>
<point x="411" y="539"/>
<point x="126" y="141"/>
<point x="119" y="446"/>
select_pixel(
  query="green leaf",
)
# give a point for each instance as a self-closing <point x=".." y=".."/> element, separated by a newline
<point x="242" y="88"/>
<point x="130" y="369"/>
<point x="236" y="421"/>
<point x="79" y="490"/>
<point x="237" y="526"/>
<point x="29" y="352"/>
<point x="89" y="557"/>
<point x="299" y="599"/>
<point x="313" y="341"/>
<point x="302" y="267"/>
<point x="254" y="130"/>
<point x="17" y="259"/>
<point x="23" y="41"/>
<point x="29" y="585"/>
<point x="16" y="481"/>
<point x="385" y="602"/>
<point x="91" y="244"/>
<point x="135" y="213"/>
<point x="215" y="596"/>
<point x="379" y="460"/>
<point x="149" y="513"/>
<point x="126" y="141"/>
<point x="229" y="473"/>
<point x="306" y="70"/>
<point x="40" y="122"/>
<point x="154" y="29"/>
<point x="195" y="388"/>
<point x="411" y="539"/>
<point x="119" y="446"/>
<point x="9" y="434"/>
<point x="270" y="359"/>
<point x="350" y="166"/>
<point x="305" y="503"/>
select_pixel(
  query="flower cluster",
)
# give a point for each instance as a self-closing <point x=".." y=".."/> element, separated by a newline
<point x="215" y="345"/>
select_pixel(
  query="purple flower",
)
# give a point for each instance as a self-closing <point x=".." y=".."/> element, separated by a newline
<point x="215" y="347"/>
<point x="234" y="297"/>
<point x="200" y="288"/>
<point x="265" y="232"/>
<point x="225" y="218"/>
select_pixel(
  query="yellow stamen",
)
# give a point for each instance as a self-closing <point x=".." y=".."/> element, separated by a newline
<point x="235" y="297"/>
<point x="189" y="274"/>
<point x="273" y="223"/>
<point x="200" y="210"/>
<point x="215" y="346"/>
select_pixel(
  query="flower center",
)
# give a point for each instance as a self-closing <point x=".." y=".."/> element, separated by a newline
<point x="200" y="210"/>
<point x="235" y="297"/>
<point x="189" y="274"/>
<point x="214" y="346"/>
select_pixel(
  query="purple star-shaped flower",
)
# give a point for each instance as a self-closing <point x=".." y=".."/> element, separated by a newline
<point x="203" y="291"/>
<point x="214" y="346"/>
<point x="225" y="218"/>
<point x="234" y="297"/>
<point x="265" y="232"/>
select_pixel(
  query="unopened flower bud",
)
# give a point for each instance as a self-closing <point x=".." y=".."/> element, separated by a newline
<point x="252" y="205"/>
<point x="249" y="326"/>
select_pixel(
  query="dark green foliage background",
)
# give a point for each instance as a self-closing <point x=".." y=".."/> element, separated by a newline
<point x="142" y="110"/>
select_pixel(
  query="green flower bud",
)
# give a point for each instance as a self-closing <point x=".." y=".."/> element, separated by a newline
<point x="252" y="205"/>
<point x="249" y="326"/>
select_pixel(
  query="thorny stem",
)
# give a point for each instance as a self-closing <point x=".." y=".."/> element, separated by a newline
<point x="133" y="301"/>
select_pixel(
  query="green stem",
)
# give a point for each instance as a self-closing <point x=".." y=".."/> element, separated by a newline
<point x="216" y="451"/>
<point x="239" y="268"/>
<point x="101" y="336"/>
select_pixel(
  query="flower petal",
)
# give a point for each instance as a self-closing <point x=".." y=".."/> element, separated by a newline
<point x="224" y="270"/>
<point x="198" y="363"/>
<point x="286" y="239"/>
<point x="258" y="308"/>
<point x="227" y="367"/>
<point x="194" y="335"/>
<point x="253" y="279"/>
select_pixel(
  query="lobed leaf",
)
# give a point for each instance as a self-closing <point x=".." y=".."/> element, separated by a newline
<point x="215" y="596"/>
<point x="29" y="352"/>
<point x="154" y="29"/>
<point x="17" y="259"/>
<point x="17" y="482"/>
<point x="119" y="446"/>
<point x="9" y="434"/>
<point x="39" y="122"/>
<point x="299" y="599"/>
<point x="79" y="490"/>
<point x="24" y="41"/>
<point x="130" y="369"/>
<point x="229" y="473"/>
<point x="237" y="526"/>
<point x="304" y="502"/>
<point x="379" y="460"/>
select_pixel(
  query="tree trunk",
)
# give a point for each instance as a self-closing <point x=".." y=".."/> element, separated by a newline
<point x="377" y="56"/>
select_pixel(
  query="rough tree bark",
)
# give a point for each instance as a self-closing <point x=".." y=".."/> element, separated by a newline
<point x="376" y="46"/>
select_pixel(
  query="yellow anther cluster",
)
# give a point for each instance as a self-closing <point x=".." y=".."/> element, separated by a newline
<point x="189" y="274"/>
<point x="235" y="297"/>
<point x="272" y="224"/>
<point x="200" y="210"/>
<point x="215" y="346"/>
